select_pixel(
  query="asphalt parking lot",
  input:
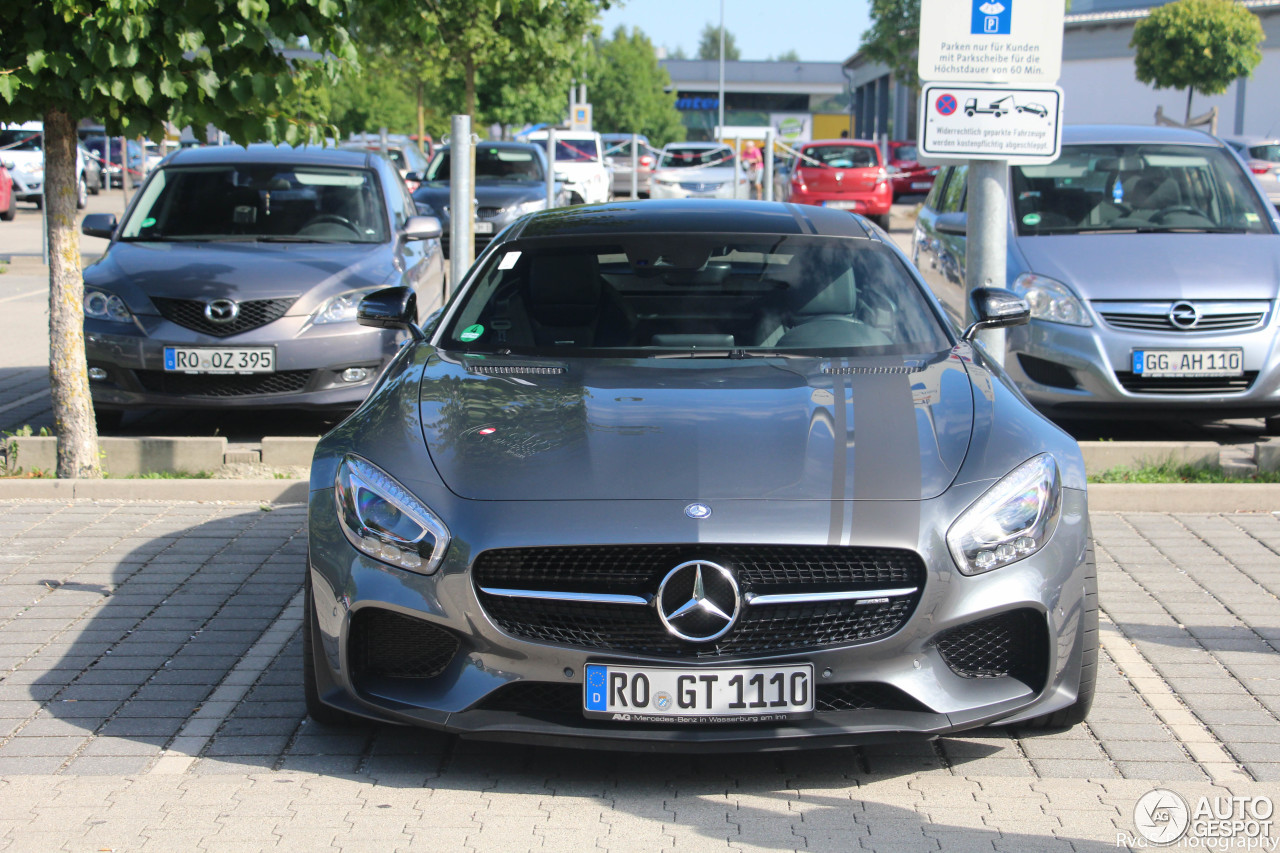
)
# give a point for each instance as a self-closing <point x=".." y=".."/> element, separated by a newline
<point x="150" y="698"/>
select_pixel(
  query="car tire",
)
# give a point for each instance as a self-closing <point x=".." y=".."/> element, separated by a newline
<point x="82" y="192"/>
<point x="96" y="186"/>
<point x="316" y="709"/>
<point x="38" y="201"/>
<point x="1075" y="714"/>
<point x="1271" y="425"/>
<point x="107" y="419"/>
<point x="12" y="210"/>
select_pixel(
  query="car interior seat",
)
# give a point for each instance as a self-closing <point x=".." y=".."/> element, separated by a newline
<point x="570" y="304"/>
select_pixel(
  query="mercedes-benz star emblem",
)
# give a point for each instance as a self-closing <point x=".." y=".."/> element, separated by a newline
<point x="221" y="311"/>
<point x="698" y="511"/>
<point x="699" y="601"/>
<point x="1184" y="315"/>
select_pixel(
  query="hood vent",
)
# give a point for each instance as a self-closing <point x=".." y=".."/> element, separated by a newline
<point x="867" y="371"/>
<point x="514" y="369"/>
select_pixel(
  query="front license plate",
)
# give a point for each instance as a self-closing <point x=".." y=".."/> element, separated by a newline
<point x="228" y="360"/>
<point x="1176" y="363"/>
<point x="843" y="205"/>
<point x="762" y="694"/>
<point x="484" y="227"/>
<point x="922" y="185"/>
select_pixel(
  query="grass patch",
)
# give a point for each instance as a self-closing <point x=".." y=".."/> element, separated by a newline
<point x="1171" y="472"/>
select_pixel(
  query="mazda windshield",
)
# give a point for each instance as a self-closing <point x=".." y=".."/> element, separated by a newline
<point x="262" y="203"/>
<point x="699" y="295"/>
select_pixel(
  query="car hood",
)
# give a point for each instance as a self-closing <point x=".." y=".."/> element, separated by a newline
<point x="1159" y="266"/>
<point x="310" y="272"/>
<point x="796" y="429"/>
<point x="704" y="175"/>
<point x="497" y="194"/>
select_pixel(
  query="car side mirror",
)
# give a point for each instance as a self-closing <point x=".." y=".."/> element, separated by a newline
<point x="390" y="308"/>
<point x="99" y="225"/>
<point x="996" y="308"/>
<point x="414" y="178"/>
<point x="422" y="228"/>
<point x="955" y="224"/>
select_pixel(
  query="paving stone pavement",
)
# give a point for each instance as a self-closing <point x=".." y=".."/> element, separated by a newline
<point x="150" y="699"/>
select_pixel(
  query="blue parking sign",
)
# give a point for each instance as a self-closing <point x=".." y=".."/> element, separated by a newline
<point x="992" y="17"/>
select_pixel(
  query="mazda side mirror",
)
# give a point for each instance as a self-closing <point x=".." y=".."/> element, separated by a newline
<point x="422" y="228"/>
<point x="955" y="224"/>
<point x="99" y="225"/>
<point x="390" y="308"/>
<point x="996" y="308"/>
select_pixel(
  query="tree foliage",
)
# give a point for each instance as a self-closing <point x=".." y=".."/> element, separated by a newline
<point x="792" y="55"/>
<point x="629" y="89"/>
<point x="709" y="44"/>
<point x="1197" y="45"/>
<point x="894" y="38"/>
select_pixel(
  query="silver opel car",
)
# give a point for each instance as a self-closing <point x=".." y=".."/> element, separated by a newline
<point x="698" y="474"/>
<point x="1151" y="262"/>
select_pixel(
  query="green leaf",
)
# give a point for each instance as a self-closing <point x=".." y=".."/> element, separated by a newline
<point x="8" y="86"/>
<point x="37" y="60"/>
<point x="143" y="86"/>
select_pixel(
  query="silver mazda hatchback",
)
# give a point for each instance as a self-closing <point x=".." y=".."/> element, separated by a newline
<point x="1151" y="261"/>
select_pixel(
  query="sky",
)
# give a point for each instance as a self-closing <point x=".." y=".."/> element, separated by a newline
<point x="819" y="30"/>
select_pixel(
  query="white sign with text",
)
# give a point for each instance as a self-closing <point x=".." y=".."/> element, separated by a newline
<point x="991" y="41"/>
<point x="990" y="123"/>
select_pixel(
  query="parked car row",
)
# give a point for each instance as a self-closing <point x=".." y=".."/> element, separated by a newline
<point x="22" y="149"/>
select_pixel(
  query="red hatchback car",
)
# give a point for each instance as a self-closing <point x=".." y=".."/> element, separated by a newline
<point x="909" y="177"/>
<point x="8" y="204"/>
<point x="842" y="173"/>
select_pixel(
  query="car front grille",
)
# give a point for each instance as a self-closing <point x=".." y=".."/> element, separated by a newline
<point x="540" y="697"/>
<point x="638" y="570"/>
<point x="1154" y="316"/>
<point x="189" y="314"/>
<point x="223" y="385"/>
<point x="1013" y="643"/>
<point x="1138" y="384"/>
<point x="385" y="644"/>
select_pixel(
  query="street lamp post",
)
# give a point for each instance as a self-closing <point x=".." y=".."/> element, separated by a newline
<point x="720" y="127"/>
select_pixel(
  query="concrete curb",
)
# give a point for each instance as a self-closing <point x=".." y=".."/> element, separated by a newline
<point x="1103" y="497"/>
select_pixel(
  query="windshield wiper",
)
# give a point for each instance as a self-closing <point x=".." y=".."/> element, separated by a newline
<point x="735" y="354"/>
<point x="287" y="238"/>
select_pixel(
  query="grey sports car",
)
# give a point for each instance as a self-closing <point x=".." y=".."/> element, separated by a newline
<point x="697" y="474"/>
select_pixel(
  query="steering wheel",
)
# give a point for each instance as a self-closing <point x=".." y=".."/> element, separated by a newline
<point x="332" y="219"/>
<point x="1179" y="208"/>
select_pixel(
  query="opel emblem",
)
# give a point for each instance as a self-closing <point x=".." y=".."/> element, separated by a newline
<point x="221" y="311"/>
<point x="698" y="511"/>
<point x="1184" y="315"/>
<point x="698" y="601"/>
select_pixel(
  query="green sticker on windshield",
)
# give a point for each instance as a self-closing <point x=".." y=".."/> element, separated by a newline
<point x="148" y="222"/>
<point x="1031" y="219"/>
<point x="470" y="333"/>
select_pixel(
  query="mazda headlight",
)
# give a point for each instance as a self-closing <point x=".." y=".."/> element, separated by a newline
<point x="341" y="308"/>
<point x="1014" y="518"/>
<point x="1051" y="300"/>
<point x="382" y="519"/>
<point x="106" y="306"/>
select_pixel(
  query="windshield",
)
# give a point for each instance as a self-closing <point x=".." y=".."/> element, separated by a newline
<point x="492" y="164"/>
<point x="253" y="202"/>
<point x="576" y="150"/>
<point x="20" y="140"/>
<point x="841" y="156"/>
<point x="905" y="152"/>
<point x="718" y="295"/>
<point x="1137" y="188"/>
<point x="680" y="158"/>
<point x="1266" y="152"/>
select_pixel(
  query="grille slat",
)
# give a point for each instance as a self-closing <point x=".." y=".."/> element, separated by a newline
<point x="223" y="384"/>
<point x="637" y="570"/>
<point x="254" y="313"/>
<point x="1138" y="384"/>
<point x="1154" y="316"/>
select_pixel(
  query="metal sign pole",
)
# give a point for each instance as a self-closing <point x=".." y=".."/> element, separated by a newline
<point x="461" y="195"/>
<point x="635" y="166"/>
<point x="985" y="258"/>
<point x="766" y="180"/>
<point x="551" y="168"/>
<point x="737" y="165"/>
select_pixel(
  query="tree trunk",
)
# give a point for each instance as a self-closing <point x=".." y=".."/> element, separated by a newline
<point x="68" y="371"/>
<point x="469" y="70"/>
<point x="1187" y="121"/>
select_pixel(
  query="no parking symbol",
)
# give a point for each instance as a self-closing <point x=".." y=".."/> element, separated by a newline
<point x="946" y="104"/>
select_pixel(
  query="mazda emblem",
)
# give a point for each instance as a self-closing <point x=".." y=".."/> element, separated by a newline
<point x="698" y="601"/>
<point x="221" y="311"/>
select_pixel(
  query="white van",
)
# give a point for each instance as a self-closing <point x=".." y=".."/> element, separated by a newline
<point x="23" y="144"/>
<point x="580" y="164"/>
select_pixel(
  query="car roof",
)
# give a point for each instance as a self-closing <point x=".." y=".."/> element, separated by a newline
<point x="707" y="145"/>
<point x="691" y="216"/>
<point x="862" y="143"/>
<point x="304" y="155"/>
<point x="1253" y="140"/>
<point x="565" y="134"/>
<point x="1084" y="134"/>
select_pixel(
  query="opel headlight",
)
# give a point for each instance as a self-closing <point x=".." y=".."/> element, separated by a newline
<point x="31" y="167"/>
<point x="341" y="308"/>
<point x="1014" y="519"/>
<point x="382" y="519"/>
<point x="106" y="306"/>
<point x="1051" y="300"/>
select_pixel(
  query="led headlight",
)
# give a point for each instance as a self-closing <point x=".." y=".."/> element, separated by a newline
<point x="382" y="519"/>
<point x="1051" y="300"/>
<point x="341" y="308"/>
<point x="106" y="306"/>
<point x="1014" y="518"/>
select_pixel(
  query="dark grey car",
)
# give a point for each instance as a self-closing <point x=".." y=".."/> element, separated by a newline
<point x="697" y="474"/>
<point x="234" y="278"/>
<point x="1152" y="265"/>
